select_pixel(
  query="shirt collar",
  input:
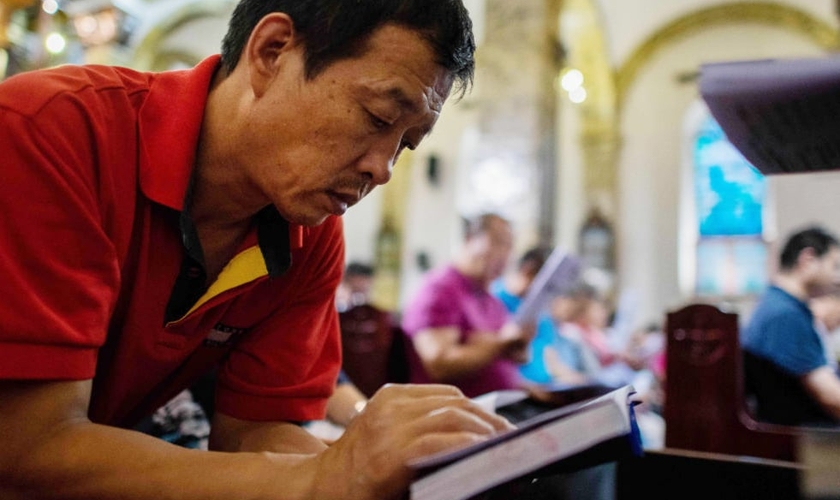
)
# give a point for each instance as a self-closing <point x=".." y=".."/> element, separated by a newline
<point x="169" y="127"/>
<point x="790" y="298"/>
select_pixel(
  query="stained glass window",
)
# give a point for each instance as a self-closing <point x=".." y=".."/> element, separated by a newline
<point x="729" y="198"/>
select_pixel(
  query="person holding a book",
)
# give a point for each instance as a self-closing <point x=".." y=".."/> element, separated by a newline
<point x="782" y="341"/>
<point x="158" y="225"/>
<point x="462" y="333"/>
<point x="552" y="357"/>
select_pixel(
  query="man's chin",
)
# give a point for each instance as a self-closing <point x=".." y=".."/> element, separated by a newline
<point x="308" y="220"/>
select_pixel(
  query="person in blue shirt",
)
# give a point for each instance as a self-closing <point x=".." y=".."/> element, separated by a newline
<point x="782" y="339"/>
<point x="548" y="342"/>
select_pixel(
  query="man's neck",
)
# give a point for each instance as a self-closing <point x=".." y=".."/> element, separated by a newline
<point x="223" y="199"/>
<point x="792" y="285"/>
<point x="469" y="268"/>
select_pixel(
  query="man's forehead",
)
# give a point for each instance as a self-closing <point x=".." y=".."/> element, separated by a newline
<point x="431" y="98"/>
<point x="424" y="106"/>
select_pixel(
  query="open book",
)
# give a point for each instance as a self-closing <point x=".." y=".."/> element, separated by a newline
<point x="559" y="273"/>
<point x="598" y="430"/>
<point x="782" y="115"/>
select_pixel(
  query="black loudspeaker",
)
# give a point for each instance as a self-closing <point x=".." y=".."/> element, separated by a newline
<point x="433" y="170"/>
<point x="424" y="262"/>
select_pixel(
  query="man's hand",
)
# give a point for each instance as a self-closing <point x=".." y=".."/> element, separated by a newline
<point x="399" y="424"/>
<point x="516" y="339"/>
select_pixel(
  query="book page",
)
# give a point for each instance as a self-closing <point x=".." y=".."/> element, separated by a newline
<point x="782" y="115"/>
<point x="492" y="401"/>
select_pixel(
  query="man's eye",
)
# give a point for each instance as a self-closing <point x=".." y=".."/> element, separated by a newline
<point x="377" y="122"/>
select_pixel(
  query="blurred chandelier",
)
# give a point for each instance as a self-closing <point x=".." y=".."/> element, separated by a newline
<point x="40" y="33"/>
<point x="95" y="22"/>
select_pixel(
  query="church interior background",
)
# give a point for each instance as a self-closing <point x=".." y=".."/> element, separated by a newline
<point x="584" y="128"/>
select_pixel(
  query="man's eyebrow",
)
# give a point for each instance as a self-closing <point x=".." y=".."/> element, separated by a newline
<point x="404" y="101"/>
<point x="398" y="95"/>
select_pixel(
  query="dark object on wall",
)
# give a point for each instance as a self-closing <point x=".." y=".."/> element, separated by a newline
<point x="433" y="170"/>
<point x="597" y="242"/>
<point x="424" y="263"/>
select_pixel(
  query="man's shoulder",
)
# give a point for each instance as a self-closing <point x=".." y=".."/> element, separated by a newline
<point x="29" y="93"/>
<point x="778" y="317"/>
<point x="436" y="289"/>
<point x="777" y="304"/>
<point x="442" y="278"/>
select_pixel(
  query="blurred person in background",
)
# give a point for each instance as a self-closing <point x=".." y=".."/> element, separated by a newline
<point x="782" y="340"/>
<point x="355" y="287"/>
<point x="461" y="333"/>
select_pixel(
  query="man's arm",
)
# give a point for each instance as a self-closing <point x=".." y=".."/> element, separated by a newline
<point x="824" y="386"/>
<point x="345" y="404"/>
<point x="559" y="370"/>
<point x="234" y="435"/>
<point x="52" y="451"/>
<point x="447" y="360"/>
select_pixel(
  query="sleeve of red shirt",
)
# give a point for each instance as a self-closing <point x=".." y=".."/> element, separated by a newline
<point x="286" y="368"/>
<point x="59" y="269"/>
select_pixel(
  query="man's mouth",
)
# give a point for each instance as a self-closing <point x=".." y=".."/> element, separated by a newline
<point x="341" y="201"/>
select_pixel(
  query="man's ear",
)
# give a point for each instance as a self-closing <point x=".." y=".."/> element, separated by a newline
<point x="268" y="48"/>
<point x="807" y="256"/>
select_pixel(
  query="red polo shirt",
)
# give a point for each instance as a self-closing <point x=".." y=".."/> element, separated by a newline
<point x="95" y="164"/>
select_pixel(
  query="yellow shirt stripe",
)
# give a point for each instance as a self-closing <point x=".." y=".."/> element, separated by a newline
<point x="244" y="267"/>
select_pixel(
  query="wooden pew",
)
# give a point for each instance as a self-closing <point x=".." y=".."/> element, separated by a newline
<point x="372" y="348"/>
<point x="714" y="449"/>
<point x="704" y="407"/>
<point x="695" y="475"/>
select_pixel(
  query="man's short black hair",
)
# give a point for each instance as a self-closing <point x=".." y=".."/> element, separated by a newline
<point x="338" y="29"/>
<point x="533" y="259"/>
<point x="813" y="237"/>
<point x="358" y="269"/>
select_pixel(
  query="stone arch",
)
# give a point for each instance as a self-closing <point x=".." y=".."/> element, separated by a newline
<point x="765" y="13"/>
<point x="147" y="53"/>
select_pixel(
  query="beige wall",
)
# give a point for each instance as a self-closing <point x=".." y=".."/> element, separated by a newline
<point x="805" y="199"/>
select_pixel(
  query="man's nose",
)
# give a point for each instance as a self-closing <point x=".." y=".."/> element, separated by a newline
<point x="378" y="164"/>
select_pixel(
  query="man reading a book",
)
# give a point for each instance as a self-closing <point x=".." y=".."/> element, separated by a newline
<point x="786" y="363"/>
<point x="156" y="226"/>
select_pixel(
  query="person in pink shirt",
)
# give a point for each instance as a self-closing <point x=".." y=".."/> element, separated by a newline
<point x="462" y="334"/>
